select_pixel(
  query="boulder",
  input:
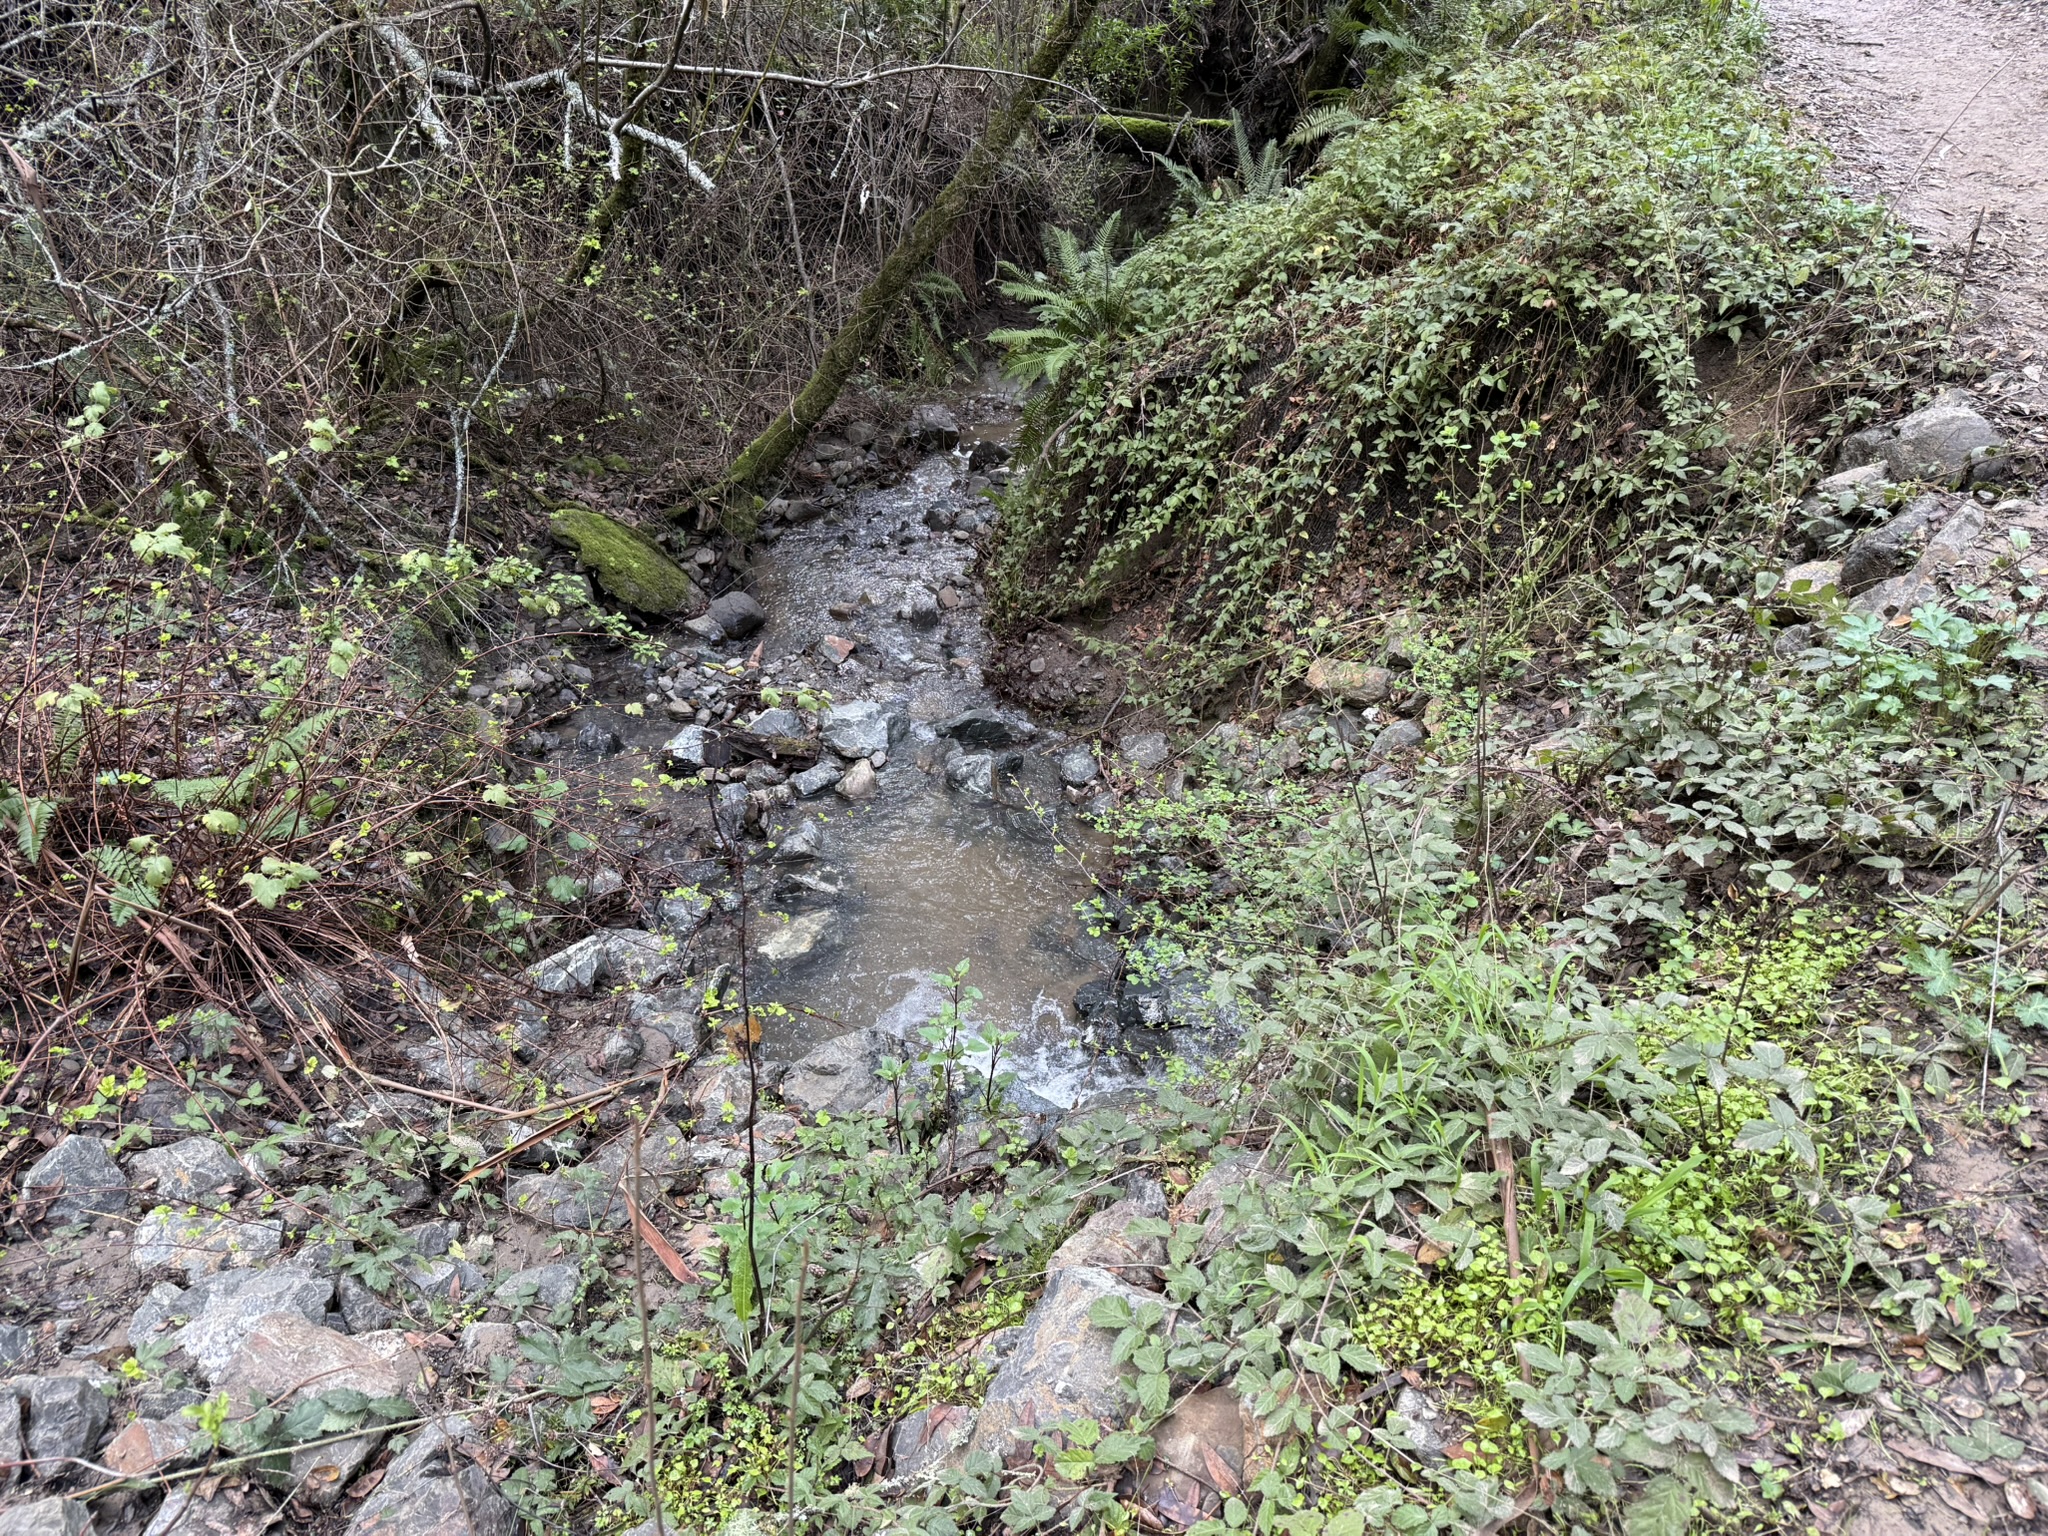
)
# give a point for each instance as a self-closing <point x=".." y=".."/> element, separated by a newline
<point x="17" y="1348"/>
<point x="11" y="1452"/>
<point x="686" y="749"/>
<point x="62" y="1417"/>
<point x="1890" y="550"/>
<point x="1229" y="1181"/>
<point x="203" y="1244"/>
<point x="75" y="1181"/>
<point x="859" y="782"/>
<point x="432" y="1487"/>
<point x="361" y="1308"/>
<point x="1078" y="768"/>
<point x="777" y="722"/>
<point x="575" y="969"/>
<point x="801" y="843"/>
<point x="931" y="428"/>
<point x="232" y="1307"/>
<point x="46" y="1517"/>
<point x="839" y="1077"/>
<point x="285" y="1357"/>
<point x="1349" y="682"/>
<point x="236" y="1511"/>
<point x="196" y="1171"/>
<point x="930" y="1440"/>
<point x="1062" y="1368"/>
<point x="816" y="780"/>
<point x="1809" y="586"/>
<point x="148" y="1446"/>
<point x="1401" y="736"/>
<point x="985" y="728"/>
<point x="1938" y="443"/>
<point x="1106" y="1242"/>
<point x="862" y="728"/>
<point x="1952" y="542"/>
<point x="737" y="613"/>
<point x="627" y="563"/>
<point x="627" y="957"/>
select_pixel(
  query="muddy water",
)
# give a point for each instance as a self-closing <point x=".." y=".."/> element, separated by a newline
<point x="923" y="876"/>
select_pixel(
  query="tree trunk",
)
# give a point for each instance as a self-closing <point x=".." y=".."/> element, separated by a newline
<point x="764" y="457"/>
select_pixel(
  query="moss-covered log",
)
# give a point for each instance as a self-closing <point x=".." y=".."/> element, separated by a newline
<point x="1147" y="135"/>
<point x="764" y="457"/>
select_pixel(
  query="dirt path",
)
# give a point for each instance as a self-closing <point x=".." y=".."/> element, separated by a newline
<point x="1941" y="107"/>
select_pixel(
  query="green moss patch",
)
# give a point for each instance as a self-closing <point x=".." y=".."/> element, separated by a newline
<point x="628" y="564"/>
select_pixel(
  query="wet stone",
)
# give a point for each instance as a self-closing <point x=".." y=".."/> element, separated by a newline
<point x="1078" y="768"/>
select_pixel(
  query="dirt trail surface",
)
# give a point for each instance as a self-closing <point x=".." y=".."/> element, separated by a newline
<point x="1941" y="108"/>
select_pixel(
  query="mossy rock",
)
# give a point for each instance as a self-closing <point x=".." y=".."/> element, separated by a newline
<point x="628" y="564"/>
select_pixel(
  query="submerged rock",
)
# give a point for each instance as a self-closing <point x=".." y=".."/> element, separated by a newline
<point x="796" y="939"/>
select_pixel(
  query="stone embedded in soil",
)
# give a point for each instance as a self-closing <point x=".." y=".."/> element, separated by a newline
<point x="557" y="1201"/>
<point x="620" y="1050"/>
<point x="235" y="1511"/>
<point x="11" y="1453"/>
<point x="74" y="1181"/>
<point x="1078" y="768"/>
<point x="201" y="1244"/>
<point x="574" y="969"/>
<point x="737" y="613"/>
<point x="286" y="1357"/>
<point x="777" y="722"/>
<point x="858" y="782"/>
<point x="686" y="749"/>
<point x="361" y="1308"/>
<point x="1064" y="1366"/>
<point x="1146" y="750"/>
<point x="62" y="1416"/>
<point x="799" y="937"/>
<point x="546" y="1286"/>
<point x="17" y="1348"/>
<point x="627" y="563"/>
<point x="931" y="1440"/>
<point x="432" y="1487"/>
<point x="841" y="1077"/>
<point x="46" y="1517"/>
<point x="1401" y="736"/>
<point x="1938" y="442"/>
<point x="1349" y="682"/>
<point x="198" y="1170"/>
<point x="232" y="1307"/>
<point x="1106" y="1241"/>
<point x="931" y="428"/>
<point x="1183" y="1486"/>
<point x="1890" y="550"/>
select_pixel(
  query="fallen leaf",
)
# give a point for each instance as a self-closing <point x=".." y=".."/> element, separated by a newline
<point x="1947" y="1461"/>
<point x="2019" y="1501"/>
<point x="650" y="1235"/>
<point x="1220" y="1475"/>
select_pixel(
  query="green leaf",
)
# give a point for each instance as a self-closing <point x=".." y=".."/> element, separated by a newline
<point x="1984" y="1442"/>
<point x="1663" y="1508"/>
<point x="1110" y="1312"/>
<point x="221" y="823"/>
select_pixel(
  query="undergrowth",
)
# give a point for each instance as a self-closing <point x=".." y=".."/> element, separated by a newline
<point x="1477" y="325"/>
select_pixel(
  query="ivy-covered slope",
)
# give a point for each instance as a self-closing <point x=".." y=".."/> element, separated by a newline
<point x="1484" y="310"/>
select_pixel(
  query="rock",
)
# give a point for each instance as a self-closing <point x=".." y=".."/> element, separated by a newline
<point x="922" y="609"/>
<point x="151" y="1445"/>
<point x="1864" y="447"/>
<point x="11" y="1454"/>
<point x="546" y="1286"/>
<point x="801" y="843"/>
<point x="1349" y="682"/>
<point x="446" y="1279"/>
<point x="1952" y="542"/>
<point x="1062" y="1368"/>
<point x="1992" y="466"/>
<point x="584" y="1205"/>
<point x="1231" y="1179"/>
<point x="931" y="428"/>
<point x="63" y="1416"/>
<point x="1419" y="1416"/>
<point x="483" y="1343"/>
<point x="705" y="628"/>
<point x="862" y="728"/>
<point x="1106" y="1242"/>
<point x="1181" y="1486"/>
<point x="230" y="1512"/>
<point x="621" y="1048"/>
<point x="1794" y="641"/>
<point x="858" y="782"/>
<point x="815" y="781"/>
<point x="17" y="1348"/>
<point x="433" y="1489"/>
<point x="234" y="1306"/>
<point x="1886" y="552"/>
<point x="627" y="563"/>
<point x="1401" y="736"/>
<point x="599" y="740"/>
<point x="840" y="1076"/>
<point x="1936" y="443"/>
<point x="201" y="1244"/>
<point x="46" y="1517"/>
<point x="986" y="455"/>
<point x="931" y="1440"/>
<point x="797" y="938"/>
<point x="1814" y="584"/>
<point x="972" y="773"/>
<point x="1863" y="483"/>
<point x="575" y="969"/>
<point x="1898" y="595"/>
<point x="737" y="613"/>
<point x="361" y="1308"/>
<point x="985" y="728"/>
<point x="197" y="1170"/>
<point x="1146" y="750"/>
<point x="777" y="722"/>
<point x="686" y="749"/>
<point x="1078" y="768"/>
<point x="75" y="1181"/>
